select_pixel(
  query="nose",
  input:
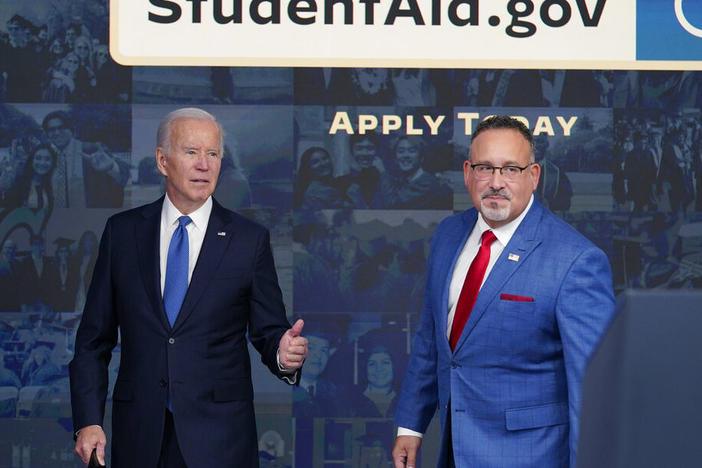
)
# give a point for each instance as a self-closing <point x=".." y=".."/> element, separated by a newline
<point x="496" y="179"/>
<point x="203" y="162"/>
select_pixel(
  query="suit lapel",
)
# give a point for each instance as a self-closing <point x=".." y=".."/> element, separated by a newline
<point x="451" y="250"/>
<point x="147" y="241"/>
<point x="213" y="247"/>
<point x="522" y="243"/>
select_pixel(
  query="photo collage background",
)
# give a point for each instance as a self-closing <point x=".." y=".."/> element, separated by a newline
<point x="351" y="215"/>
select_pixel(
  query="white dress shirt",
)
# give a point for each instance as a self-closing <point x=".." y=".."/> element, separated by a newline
<point x="196" y="234"/>
<point x="470" y="250"/>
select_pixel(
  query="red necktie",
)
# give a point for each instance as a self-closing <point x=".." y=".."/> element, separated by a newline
<point x="471" y="286"/>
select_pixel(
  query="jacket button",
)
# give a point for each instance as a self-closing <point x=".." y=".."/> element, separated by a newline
<point x="163" y="383"/>
<point x="171" y="340"/>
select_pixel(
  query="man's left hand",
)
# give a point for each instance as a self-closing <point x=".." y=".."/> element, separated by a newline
<point x="292" y="349"/>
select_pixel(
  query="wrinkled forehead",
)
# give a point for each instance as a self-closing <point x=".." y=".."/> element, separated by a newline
<point x="181" y="126"/>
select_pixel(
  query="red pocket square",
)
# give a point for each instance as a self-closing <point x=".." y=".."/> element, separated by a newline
<point x="514" y="297"/>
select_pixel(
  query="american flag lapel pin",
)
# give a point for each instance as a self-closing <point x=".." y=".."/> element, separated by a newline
<point x="514" y="257"/>
<point x="221" y="233"/>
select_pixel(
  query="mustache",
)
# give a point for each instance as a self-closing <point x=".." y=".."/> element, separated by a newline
<point x="496" y="193"/>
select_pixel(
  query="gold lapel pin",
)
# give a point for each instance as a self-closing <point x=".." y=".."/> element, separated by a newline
<point x="513" y="257"/>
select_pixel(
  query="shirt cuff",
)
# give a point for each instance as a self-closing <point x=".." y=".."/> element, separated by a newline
<point x="75" y="434"/>
<point x="289" y="375"/>
<point x="403" y="431"/>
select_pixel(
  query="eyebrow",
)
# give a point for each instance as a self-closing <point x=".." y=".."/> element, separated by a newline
<point x="197" y="148"/>
<point x="509" y="162"/>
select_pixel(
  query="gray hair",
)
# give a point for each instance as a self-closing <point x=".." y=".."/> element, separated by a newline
<point x="163" y="135"/>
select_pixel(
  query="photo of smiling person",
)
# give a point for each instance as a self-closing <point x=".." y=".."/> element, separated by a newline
<point x="316" y="394"/>
<point x="381" y="364"/>
<point x="380" y="376"/>
<point x="364" y="178"/>
<point x="33" y="189"/>
<point x="316" y="186"/>
<point x="88" y="173"/>
<point x="60" y="82"/>
<point x="410" y="186"/>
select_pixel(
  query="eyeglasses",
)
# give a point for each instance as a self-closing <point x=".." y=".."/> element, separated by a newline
<point x="485" y="171"/>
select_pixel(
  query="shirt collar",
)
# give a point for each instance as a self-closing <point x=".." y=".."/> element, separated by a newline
<point x="199" y="217"/>
<point x="504" y="233"/>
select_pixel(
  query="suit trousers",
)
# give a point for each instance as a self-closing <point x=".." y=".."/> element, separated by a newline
<point x="170" y="451"/>
<point x="448" y="440"/>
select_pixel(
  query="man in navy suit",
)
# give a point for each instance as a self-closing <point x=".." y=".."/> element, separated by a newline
<point x="183" y="395"/>
<point x="515" y="302"/>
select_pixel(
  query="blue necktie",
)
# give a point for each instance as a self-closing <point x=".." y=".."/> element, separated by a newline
<point x="176" y="271"/>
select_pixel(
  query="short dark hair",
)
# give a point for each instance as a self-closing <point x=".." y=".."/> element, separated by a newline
<point x="61" y="115"/>
<point x="358" y="137"/>
<point x="504" y="122"/>
<point x="21" y="21"/>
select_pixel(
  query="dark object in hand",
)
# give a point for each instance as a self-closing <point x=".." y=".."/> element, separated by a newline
<point x="94" y="463"/>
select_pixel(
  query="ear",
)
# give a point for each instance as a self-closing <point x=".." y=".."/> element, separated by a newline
<point x="535" y="173"/>
<point x="161" y="161"/>
<point x="466" y="172"/>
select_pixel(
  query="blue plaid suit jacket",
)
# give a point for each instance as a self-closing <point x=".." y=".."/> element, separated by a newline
<point x="513" y="382"/>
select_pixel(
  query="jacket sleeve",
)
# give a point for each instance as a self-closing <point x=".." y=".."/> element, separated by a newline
<point x="96" y="337"/>
<point x="267" y="321"/>
<point x="584" y="308"/>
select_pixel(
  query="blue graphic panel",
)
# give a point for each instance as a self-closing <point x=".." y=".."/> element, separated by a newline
<point x="668" y="30"/>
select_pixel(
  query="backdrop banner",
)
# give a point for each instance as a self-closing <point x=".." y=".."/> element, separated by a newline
<point x="626" y="34"/>
<point x="321" y="155"/>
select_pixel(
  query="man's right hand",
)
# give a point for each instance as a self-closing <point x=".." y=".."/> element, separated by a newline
<point x="404" y="453"/>
<point x="89" y="438"/>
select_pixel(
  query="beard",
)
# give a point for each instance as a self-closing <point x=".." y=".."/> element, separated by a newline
<point x="492" y="211"/>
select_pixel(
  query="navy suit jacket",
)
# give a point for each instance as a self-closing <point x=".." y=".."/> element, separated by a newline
<point x="513" y="382"/>
<point x="202" y="361"/>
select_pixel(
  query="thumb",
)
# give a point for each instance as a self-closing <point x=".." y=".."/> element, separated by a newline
<point x="100" y="452"/>
<point x="297" y="328"/>
<point x="411" y="458"/>
<point x="100" y="448"/>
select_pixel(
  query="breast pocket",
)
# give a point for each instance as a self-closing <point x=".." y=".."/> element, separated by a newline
<point x="235" y="282"/>
<point x="518" y="327"/>
<point x="514" y="314"/>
